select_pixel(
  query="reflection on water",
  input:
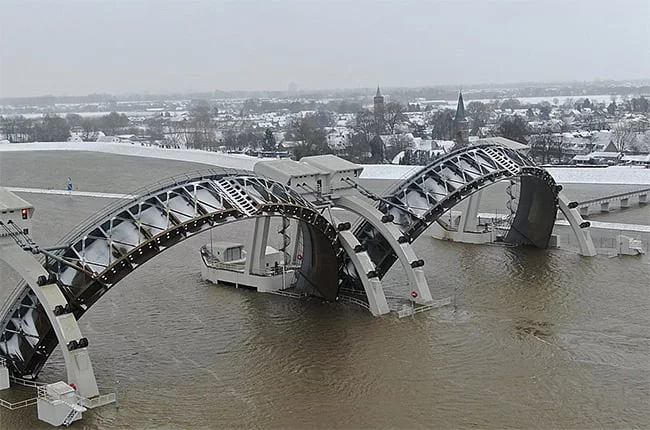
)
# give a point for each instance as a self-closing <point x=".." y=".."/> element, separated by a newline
<point x="542" y="339"/>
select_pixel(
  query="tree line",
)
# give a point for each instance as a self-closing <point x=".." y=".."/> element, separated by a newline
<point x="55" y="128"/>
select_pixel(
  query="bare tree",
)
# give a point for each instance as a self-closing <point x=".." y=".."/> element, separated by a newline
<point x="51" y="128"/>
<point x="623" y="136"/>
<point x="364" y="125"/>
<point x="442" y="123"/>
<point x="514" y="128"/>
<point x="393" y="116"/>
<point x="18" y="129"/>
<point x="309" y="134"/>
<point x="357" y="149"/>
<point x="396" y="144"/>
<point x="201" y="130"/>
<point x="174" y="134"/>
<point x="645" y="141"/>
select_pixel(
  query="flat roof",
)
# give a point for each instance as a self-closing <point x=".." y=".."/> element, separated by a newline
<point x="508" y="143"/>
<point x="10" y="201"/>
<point x="286" y="168"/>
<point x="330" y="163"/>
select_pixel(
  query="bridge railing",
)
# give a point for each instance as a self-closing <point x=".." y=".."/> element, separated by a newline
<point x="614" y="196"/>
<point x="18" y="405"/>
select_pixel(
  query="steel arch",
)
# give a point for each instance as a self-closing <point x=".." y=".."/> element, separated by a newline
<point x="101" y="252"/>
<point x="413" y="205"/>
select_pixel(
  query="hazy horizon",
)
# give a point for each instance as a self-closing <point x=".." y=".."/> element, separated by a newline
<point x="72" y="48"/>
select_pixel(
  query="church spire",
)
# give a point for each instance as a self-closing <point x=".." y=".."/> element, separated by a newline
<point x="460" y="109"/>
<point x="461" y="125"/>
<point x="379" y="111"/>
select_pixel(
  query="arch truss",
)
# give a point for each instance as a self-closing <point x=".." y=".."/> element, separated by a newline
<point x="102" y="251"/>
<point x="421" y="200"/>
<point x="91" y="260"/>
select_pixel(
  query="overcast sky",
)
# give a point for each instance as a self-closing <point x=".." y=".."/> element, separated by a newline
<point x="81" y="47"/>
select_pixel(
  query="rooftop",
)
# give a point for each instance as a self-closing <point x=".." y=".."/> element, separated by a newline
<point x="10" y="201"/>
<point x="330" y="163"/>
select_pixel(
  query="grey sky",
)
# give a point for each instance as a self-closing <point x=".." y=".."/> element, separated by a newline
<point x="80" y="47"/>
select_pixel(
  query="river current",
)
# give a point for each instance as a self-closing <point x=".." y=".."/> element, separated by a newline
<point x="536" y="339"/>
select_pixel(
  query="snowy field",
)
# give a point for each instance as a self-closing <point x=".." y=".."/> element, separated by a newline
<point x="568" y="175"/>
<point x="235" y="161"/>
<point x="598" y="98"/>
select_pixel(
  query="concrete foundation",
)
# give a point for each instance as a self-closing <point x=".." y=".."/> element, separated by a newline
<point x="4" y="378"/>
<point x="475" y="237"/>
<point x="263" y="284"/>
<point x="628" y="245"/>
<point x="58" y="405"/>
<point x="554" y="241"/>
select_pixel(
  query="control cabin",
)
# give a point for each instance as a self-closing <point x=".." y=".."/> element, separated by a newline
<point x="223" y="253"/>
<point x="302" y="177"/>
<point x="231" y="255"/>
<point x="14" y="210"/>
<point x="318" y="174"/>
<point x="341" y="174"/>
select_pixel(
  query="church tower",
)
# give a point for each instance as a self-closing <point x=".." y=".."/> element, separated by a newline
<point x="461" y="125"/>
<point x="379" y="111"/>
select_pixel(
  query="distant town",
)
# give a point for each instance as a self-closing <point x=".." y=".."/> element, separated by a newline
<point x="600" y="123"/>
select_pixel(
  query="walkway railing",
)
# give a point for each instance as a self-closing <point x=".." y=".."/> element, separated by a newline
<point x="615" y="197"/>
<point x="18" y="405"/>
<point x="353" y="300"/>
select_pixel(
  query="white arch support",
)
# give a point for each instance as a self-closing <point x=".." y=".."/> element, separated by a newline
<point x="77" y="361"/>
<point x="587" y="248"/>
<point x="404" y="251"/>
<point x="366" y="270"/>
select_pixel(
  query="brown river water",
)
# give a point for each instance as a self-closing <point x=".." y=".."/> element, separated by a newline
<point x="537" y="339"/>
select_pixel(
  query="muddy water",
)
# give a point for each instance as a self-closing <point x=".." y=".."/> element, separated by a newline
<point x="538" y="339"/>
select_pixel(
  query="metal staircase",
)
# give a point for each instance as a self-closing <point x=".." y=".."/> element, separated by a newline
<point x="237" y="196"/>
<point x="71" y="417"/>
<point x="500" y="158"/>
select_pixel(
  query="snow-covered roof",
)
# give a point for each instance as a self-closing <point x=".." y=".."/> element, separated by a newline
<point x="330" y="163"/>
<point x="508" y="143"/>
<point x="605" y="154"/>
<point x="284" y="169"/>
<point x="10" y="201"/>
<point x="645" y="158"/>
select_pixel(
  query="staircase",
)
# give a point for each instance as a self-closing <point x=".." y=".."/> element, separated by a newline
<point x="504" y="161"/>
<point x="237" y="197"/>
<point x="71" y="417"/>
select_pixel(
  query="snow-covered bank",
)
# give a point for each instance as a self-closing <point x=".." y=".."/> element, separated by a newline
<point x="623" y="175"/>
<point x="579" y="175"/>
<point x="71" y="193"/>
<point x="235" y="161"/>
<point x="616" y="175"/>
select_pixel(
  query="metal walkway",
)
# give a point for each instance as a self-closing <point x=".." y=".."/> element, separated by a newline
<point x="622" y="198"/>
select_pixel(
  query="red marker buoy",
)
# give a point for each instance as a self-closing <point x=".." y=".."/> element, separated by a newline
<point x="299" y="256"/>
<point x="414" y="294"/>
